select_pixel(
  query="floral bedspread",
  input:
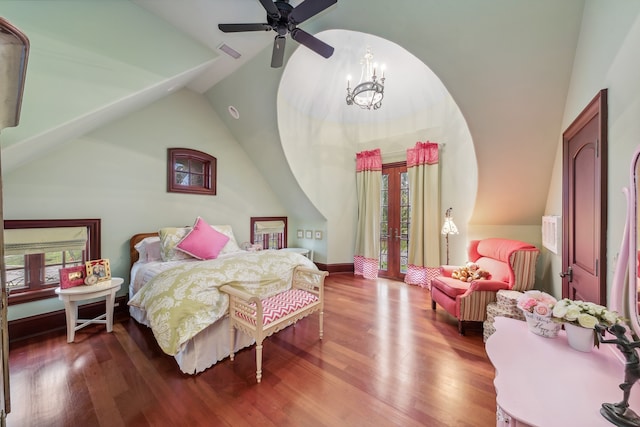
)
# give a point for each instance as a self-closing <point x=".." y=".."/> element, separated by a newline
<point x="184" y="300"/>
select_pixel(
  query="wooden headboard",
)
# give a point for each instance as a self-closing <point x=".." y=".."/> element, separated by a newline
<point x="133" y="253"/>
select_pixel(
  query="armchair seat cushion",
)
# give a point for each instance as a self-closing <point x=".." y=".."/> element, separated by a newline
<point x="450" y="286"/>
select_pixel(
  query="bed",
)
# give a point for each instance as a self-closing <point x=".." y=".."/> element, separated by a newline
<point x="192" y="323"/>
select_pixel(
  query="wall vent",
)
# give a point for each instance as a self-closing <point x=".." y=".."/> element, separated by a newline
<point x="551" y="232"/>
<point x="229" y="51"/>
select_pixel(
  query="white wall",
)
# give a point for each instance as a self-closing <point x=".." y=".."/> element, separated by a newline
<point x="606" y="57"/>
<point x="118" y="173"/>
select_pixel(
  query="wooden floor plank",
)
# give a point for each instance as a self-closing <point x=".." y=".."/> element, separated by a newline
<point x="386" y="359"/>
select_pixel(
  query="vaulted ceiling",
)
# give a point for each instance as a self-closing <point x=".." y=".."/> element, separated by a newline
<point x="507" y="63"/>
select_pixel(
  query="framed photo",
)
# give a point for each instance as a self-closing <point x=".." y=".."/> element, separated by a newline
<point x="300" y="234"/>
<point x="99" y="268"/>
<point x="72" y="276"/>
<point x="308" y="234"/>
<point x="318" y="234"/>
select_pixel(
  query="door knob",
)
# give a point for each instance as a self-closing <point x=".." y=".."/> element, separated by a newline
<point x="568" y="273"/>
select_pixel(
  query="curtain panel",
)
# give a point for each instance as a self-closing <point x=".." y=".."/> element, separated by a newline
<point x="424" y="229"/>
<point x="368" y="185"/>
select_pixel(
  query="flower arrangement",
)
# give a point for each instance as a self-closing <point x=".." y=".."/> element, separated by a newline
<point x="537" y="302"/>
<point x="536" y="307"/>
<point x="585" y="314"/>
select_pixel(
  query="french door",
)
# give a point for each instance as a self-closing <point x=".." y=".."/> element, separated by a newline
<point x="394" y="223"/>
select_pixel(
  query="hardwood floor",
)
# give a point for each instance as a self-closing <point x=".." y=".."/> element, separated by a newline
<point x="386" y="360"/>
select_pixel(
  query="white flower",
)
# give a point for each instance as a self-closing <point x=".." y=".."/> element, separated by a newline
<point x="611" y="317"/>
<point x="587" y="321"/>
<point x="573" y="311"/>
<point x="585" y="314"/>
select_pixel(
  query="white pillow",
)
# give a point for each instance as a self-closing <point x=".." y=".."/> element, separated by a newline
<point x="148" y="249"/>
<point x="232" y="244"/>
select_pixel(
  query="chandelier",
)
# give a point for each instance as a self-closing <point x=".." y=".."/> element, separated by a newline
<point x="367" y="94"/>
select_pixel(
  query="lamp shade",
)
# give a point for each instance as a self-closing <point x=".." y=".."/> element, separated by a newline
<point x="449" y="227"/>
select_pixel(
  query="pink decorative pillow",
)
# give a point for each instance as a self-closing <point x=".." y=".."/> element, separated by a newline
<point x="202" y="242"/>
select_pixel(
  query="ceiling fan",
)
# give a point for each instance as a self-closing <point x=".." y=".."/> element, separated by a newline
<point x="284" y="18"/>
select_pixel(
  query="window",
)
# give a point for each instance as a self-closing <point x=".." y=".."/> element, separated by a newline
<point x="190" y="171"/>
<point x="35" y="276"/>
<point x="269" y="231"/>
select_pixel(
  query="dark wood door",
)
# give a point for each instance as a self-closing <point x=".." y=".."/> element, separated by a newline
<point x="394" y="224"/>
<point x="585" y="204"/>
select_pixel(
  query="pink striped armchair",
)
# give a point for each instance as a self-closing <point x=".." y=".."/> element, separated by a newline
<point x="512" y="265"/>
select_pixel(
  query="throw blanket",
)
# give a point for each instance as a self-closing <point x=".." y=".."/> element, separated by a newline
<point x="184" y="300"/>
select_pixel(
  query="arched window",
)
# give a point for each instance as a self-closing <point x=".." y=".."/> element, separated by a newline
<point x="190" y="171"/>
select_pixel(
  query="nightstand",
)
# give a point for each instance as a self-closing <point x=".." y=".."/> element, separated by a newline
<point x="71" y="297"/>
<point x="302" y="251"/>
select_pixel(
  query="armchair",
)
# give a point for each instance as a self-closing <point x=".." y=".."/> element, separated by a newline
<point x="511" y="264"/>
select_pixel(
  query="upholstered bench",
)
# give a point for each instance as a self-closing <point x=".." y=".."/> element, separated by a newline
<point x="260" y="318"/>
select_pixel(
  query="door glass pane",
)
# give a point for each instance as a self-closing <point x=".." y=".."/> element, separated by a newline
<point x="384" y="223"/>
<point x="405" y="220"/>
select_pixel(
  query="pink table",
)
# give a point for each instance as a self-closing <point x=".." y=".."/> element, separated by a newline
<point x="544" y="382"/>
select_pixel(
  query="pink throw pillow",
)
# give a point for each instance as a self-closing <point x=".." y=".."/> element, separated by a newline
<point x="202" y="242"/>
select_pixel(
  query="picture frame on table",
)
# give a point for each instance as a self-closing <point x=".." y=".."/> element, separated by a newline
<point x="72" y="276"/>
<point x="99" y="268"/>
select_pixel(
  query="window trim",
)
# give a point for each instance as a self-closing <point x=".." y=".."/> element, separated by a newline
<point x="93" y="249"/>
<point x="210" y="164"/>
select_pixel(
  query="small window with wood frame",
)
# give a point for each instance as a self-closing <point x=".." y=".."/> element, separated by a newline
<point x="190" y="171"/>
<point x="269" y="231"/>
<point x="32" y="264"/>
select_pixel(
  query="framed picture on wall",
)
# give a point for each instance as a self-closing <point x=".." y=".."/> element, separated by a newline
<point x="99" y="268"/>
<point x="300" y="234"/>
<point x="308" y="234"/>
<point x="318" y="235"/>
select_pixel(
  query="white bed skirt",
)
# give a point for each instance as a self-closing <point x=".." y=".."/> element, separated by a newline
<point x="205" y="349"/>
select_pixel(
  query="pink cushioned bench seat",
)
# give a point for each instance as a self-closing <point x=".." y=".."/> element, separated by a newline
<point x="280" y="305"/>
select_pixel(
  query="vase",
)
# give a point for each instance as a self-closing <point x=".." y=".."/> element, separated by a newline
<point x="542" y="325"/>
<point x="579" y="338"/>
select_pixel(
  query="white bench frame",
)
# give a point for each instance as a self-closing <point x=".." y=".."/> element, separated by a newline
<point x="240" y="302"/>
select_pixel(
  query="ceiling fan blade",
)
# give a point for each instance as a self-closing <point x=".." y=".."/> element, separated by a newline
<point x="271" y="9"/>
<point x="277" y="57"/>
<point x="307" y="9"/>
<point x="313" y="43"/>
<point x="235" y="28"/>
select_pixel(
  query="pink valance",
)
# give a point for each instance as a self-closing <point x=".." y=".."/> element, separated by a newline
<point x="369" y="161"/>
<point x="423" y="153"/>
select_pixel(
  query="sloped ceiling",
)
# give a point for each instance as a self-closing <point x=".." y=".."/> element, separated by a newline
<point x="506" y="62"/>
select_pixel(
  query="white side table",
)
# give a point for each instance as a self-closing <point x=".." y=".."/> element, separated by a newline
<point x="71" y="296"/>
<point x="302" y="251"/>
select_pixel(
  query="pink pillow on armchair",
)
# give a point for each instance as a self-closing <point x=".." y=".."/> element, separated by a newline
<point x="202" y="242"/>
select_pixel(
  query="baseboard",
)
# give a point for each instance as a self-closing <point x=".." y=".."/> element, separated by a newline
<point x="336" y="268"/>
<point x="35" y="325"/>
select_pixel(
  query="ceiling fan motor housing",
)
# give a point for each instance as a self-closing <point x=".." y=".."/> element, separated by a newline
<point x="281" y="24"/>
